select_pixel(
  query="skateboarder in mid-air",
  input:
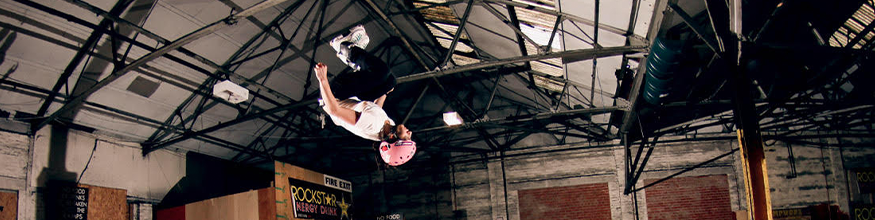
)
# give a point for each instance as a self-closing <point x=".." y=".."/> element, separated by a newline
<point x="354" y="100"/>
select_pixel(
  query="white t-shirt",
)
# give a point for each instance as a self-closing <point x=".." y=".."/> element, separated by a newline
<point x="370" y="121"/>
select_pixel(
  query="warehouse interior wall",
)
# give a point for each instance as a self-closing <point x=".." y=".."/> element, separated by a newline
<point x="26" y="163"/>
<point x="475" y="185"/>
<point x="802" y="173"/>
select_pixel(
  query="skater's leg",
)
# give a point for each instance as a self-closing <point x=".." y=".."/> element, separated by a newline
<point x="362" y="84"/>
<point x="367" y="62"/>
<point x="378" y="90"/>
<point x="346" y="85"/>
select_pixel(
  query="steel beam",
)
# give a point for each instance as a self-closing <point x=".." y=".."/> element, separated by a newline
<point x="860" y="35"/>
<point x="491" y="97"/>
<point x="572" y="83"/>
<point x="636" y="169"/>
<point x="577" y="55"/>
<point x="149" y="147"/>
<point x="655" y="23"/>
<point x="513" y="23"/>
<point x="431" y="5"/>
<point x="398" y="33"/>
<point x="187" y="52"/>
<point x="89" y="44"/>
<point x="125" y="38"/>
<point x="531" y="117"/>
<point x="602" y="52"/>
<point x="572" y="17"/>
<point x="206" y="85"/>
<point x="699" y="30"/>
<point x="749" y="137"/>
<point x="75" y="102"/>
<point x="415" y="103"/>
<point x="139" y="119"/>
<point x="458" y="34"/>
<point x="688" y="169"/>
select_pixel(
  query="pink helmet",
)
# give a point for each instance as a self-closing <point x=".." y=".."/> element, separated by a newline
<point x="397" y="153"/>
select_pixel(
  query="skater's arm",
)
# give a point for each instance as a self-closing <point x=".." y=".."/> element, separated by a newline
<point x="380" y="100"/>
<point x="331" y="105"/>
<point x="349" y="103"/>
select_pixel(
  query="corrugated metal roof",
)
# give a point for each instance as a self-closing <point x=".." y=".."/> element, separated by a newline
<point x="853" y="27"/>
<point x="441" y="14"/>
<point x="534" y="18"/>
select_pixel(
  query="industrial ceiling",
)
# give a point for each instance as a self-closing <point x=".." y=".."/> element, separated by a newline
<point x="522" y="74"/>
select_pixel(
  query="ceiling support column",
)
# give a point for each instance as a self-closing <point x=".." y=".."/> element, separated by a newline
<point x="756" y="178"/>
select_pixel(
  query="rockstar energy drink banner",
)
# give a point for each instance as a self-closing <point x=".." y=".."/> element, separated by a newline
<point x="314" y="201"/>
<point x="863" y="212"/>
<point x="865" y="179"/>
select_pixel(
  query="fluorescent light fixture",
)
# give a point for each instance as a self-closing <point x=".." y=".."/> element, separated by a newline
<point x="452" y="118"/>
<point x="230" y="92"/>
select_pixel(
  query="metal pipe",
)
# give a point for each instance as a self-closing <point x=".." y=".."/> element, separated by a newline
<point x="576" y="55"/>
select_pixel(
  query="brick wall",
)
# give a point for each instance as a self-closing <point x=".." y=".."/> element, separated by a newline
<point x="474" y="187"/>
<point x="698" y="197"/>
<point x="589" y="201"/>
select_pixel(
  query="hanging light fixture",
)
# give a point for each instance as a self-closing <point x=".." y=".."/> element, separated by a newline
<point x="452" y="118"/>
<point x="230" y="91"/>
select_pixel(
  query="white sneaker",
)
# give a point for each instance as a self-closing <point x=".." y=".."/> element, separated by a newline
<point x="358" y="36"/>
<point x="343" y="52"/>
<point x="335" y="43"/>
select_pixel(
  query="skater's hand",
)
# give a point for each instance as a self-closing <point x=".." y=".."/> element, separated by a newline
<point x="321" y="72"/>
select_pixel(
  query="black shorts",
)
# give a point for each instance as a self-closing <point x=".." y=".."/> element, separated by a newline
<point x="372" y="81"/>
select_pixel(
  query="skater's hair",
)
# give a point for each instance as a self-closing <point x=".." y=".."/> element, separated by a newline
<point x="389" y="133"/>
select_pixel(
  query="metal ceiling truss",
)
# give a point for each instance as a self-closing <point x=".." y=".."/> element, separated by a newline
<point x="581" y="54"/>
<point x="235" y="60"/>
<point x="272" y="30"/>
<point x="119" y="71"/>
<point x="86" y="47"/>
<point x="801" y="111"/>
<point x="116" y="36"/>
<point x="513" y="23"/>
<point x="782" y="118"/>
<point x="308" y="101"/>
<point x="123" y="115"/>
<point x="75" y="102"/>
<point x="513" y="129"/>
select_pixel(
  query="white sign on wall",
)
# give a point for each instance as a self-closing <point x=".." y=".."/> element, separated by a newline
<point x="337" y="183"/>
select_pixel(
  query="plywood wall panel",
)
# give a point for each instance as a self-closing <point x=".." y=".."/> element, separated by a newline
<point x="107" y="203"/>
<point x="266" y="204"/>
<point x="9" y="204"/>
<point x="240" y="206"/>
